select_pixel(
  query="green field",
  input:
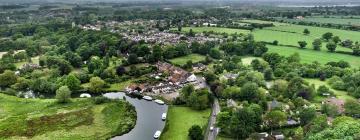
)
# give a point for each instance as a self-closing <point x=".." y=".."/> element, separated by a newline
<point x="262" y="22"/>
<point x="180" y="119"/>
<point x="42" y="119"/>
<point x="215" y="29"/>
<point x="339" y="94"/>
<point x="290" y="35"/>
<point x="182" y="60"/>
<point x="332" y="20"/>
<point x="308" y="56"/>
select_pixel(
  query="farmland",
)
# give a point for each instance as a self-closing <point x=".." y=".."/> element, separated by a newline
<point x="308" y="56"/>
<point x="332" y="20"/>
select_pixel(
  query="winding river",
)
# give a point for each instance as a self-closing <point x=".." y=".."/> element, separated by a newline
<point x="148" y="118"/>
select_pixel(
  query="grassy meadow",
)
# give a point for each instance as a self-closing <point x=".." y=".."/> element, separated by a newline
<point x="182" y="60"/>
<point x="41" y="119"/>
<point x="308" y="55"/>
<point x="180" y="119"/>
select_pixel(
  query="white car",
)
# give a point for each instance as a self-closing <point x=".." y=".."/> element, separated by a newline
<point x="157" y="134"/>
<point x="163" y="116"/>
<point x="211" y="128"/>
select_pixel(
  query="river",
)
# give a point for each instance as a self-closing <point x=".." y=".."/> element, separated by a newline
<point x="148" y="118"/>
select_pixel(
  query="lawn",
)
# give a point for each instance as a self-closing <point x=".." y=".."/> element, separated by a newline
<point x="339" y="94"/>
<point x="248" y="59"/>
<point x="34" y="60"/>
<point x="180" y="119"/>
<point x="308" y="55"/>
<point x="182" y="60"/>
<point x="46" y="119"/>
<point x="215" y="29"/>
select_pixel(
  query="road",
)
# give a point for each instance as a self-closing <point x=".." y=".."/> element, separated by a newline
<point x="211" y="135"/>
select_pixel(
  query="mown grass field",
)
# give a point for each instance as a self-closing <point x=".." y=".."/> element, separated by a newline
<point x="42" y="119"/>
<point x="182" y="60"/>
<point x="309" y="56"/>
<point x="180" y="119"/>
<point x="215" y="29"/>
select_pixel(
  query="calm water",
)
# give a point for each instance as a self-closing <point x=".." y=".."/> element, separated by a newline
<point x="148" y="118"/>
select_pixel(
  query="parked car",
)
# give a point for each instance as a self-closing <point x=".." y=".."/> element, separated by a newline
<point x="157" y="134"/>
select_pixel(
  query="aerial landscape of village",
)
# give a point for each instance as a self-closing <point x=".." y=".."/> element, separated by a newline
<point x="179" y="69"/>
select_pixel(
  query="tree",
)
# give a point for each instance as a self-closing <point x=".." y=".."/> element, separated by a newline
<point x="191" y="33"/>
<point x="352" y="108"/>
<point x="275" y="118"/>
<point x="306" y="31"/>
<point x="7" y="79"/>
<point x="63" y="94"/>
<point x="268" y="74"/>
<point x="214" y="53"/>
<point x="250" y="92"/>
<point x="120" y="70"/>
<point x="336" y="39"/>
<point x="72" y="82"/>
<point x="327" y="36"/>
<point x="244" y="122"/>
<point x="331" y="46"/>
<point x="195" y="133"/>
<point x="307" y="115"/>
<point x="96" y="84"/>
<point x="302" y="44"/>
<point x="199" y="100"/>
<point x="329" y="109"/>
<point x="132" y="59"/>
<point x="275" y="42"/>
<point x="94" y="64"/>
<point x="317" y="44"/>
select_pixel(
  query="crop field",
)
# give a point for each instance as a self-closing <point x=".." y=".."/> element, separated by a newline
<point x="215" y="29"/>
<point x="308" y="56"/>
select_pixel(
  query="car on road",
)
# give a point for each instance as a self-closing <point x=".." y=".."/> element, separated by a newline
<point x="211" y="128"/>
<point x="157" y="134"/>
<point x="163" y="116"/>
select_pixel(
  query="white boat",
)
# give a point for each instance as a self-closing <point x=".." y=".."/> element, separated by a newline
<point x="157" y="134"/>
<point x="163" y="116"/>
<point x="159" y="102"/>
<point x="147" y="98"/>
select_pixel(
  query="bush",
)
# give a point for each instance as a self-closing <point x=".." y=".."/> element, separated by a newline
<point x="101" y="100"/>
<point x="195" y="133"/>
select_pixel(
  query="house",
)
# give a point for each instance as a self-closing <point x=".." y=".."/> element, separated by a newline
<point x="135" y="88"/>
<point x="232" y="76"/>
<point x="198" y="67"/>
<point x="337" y="102"/>
<point x="278" y="136"/>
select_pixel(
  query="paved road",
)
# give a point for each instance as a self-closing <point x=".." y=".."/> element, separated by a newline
<point x="211" y="135"/>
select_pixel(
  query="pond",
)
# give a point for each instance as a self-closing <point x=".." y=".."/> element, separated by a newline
<point x="148" y="118"/>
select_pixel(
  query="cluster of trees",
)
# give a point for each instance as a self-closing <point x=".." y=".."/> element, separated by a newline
<point x="196" y="99"/>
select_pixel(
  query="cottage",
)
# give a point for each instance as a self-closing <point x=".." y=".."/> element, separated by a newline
<point x="198" y="67"/>
<point x="230" y="76"/>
